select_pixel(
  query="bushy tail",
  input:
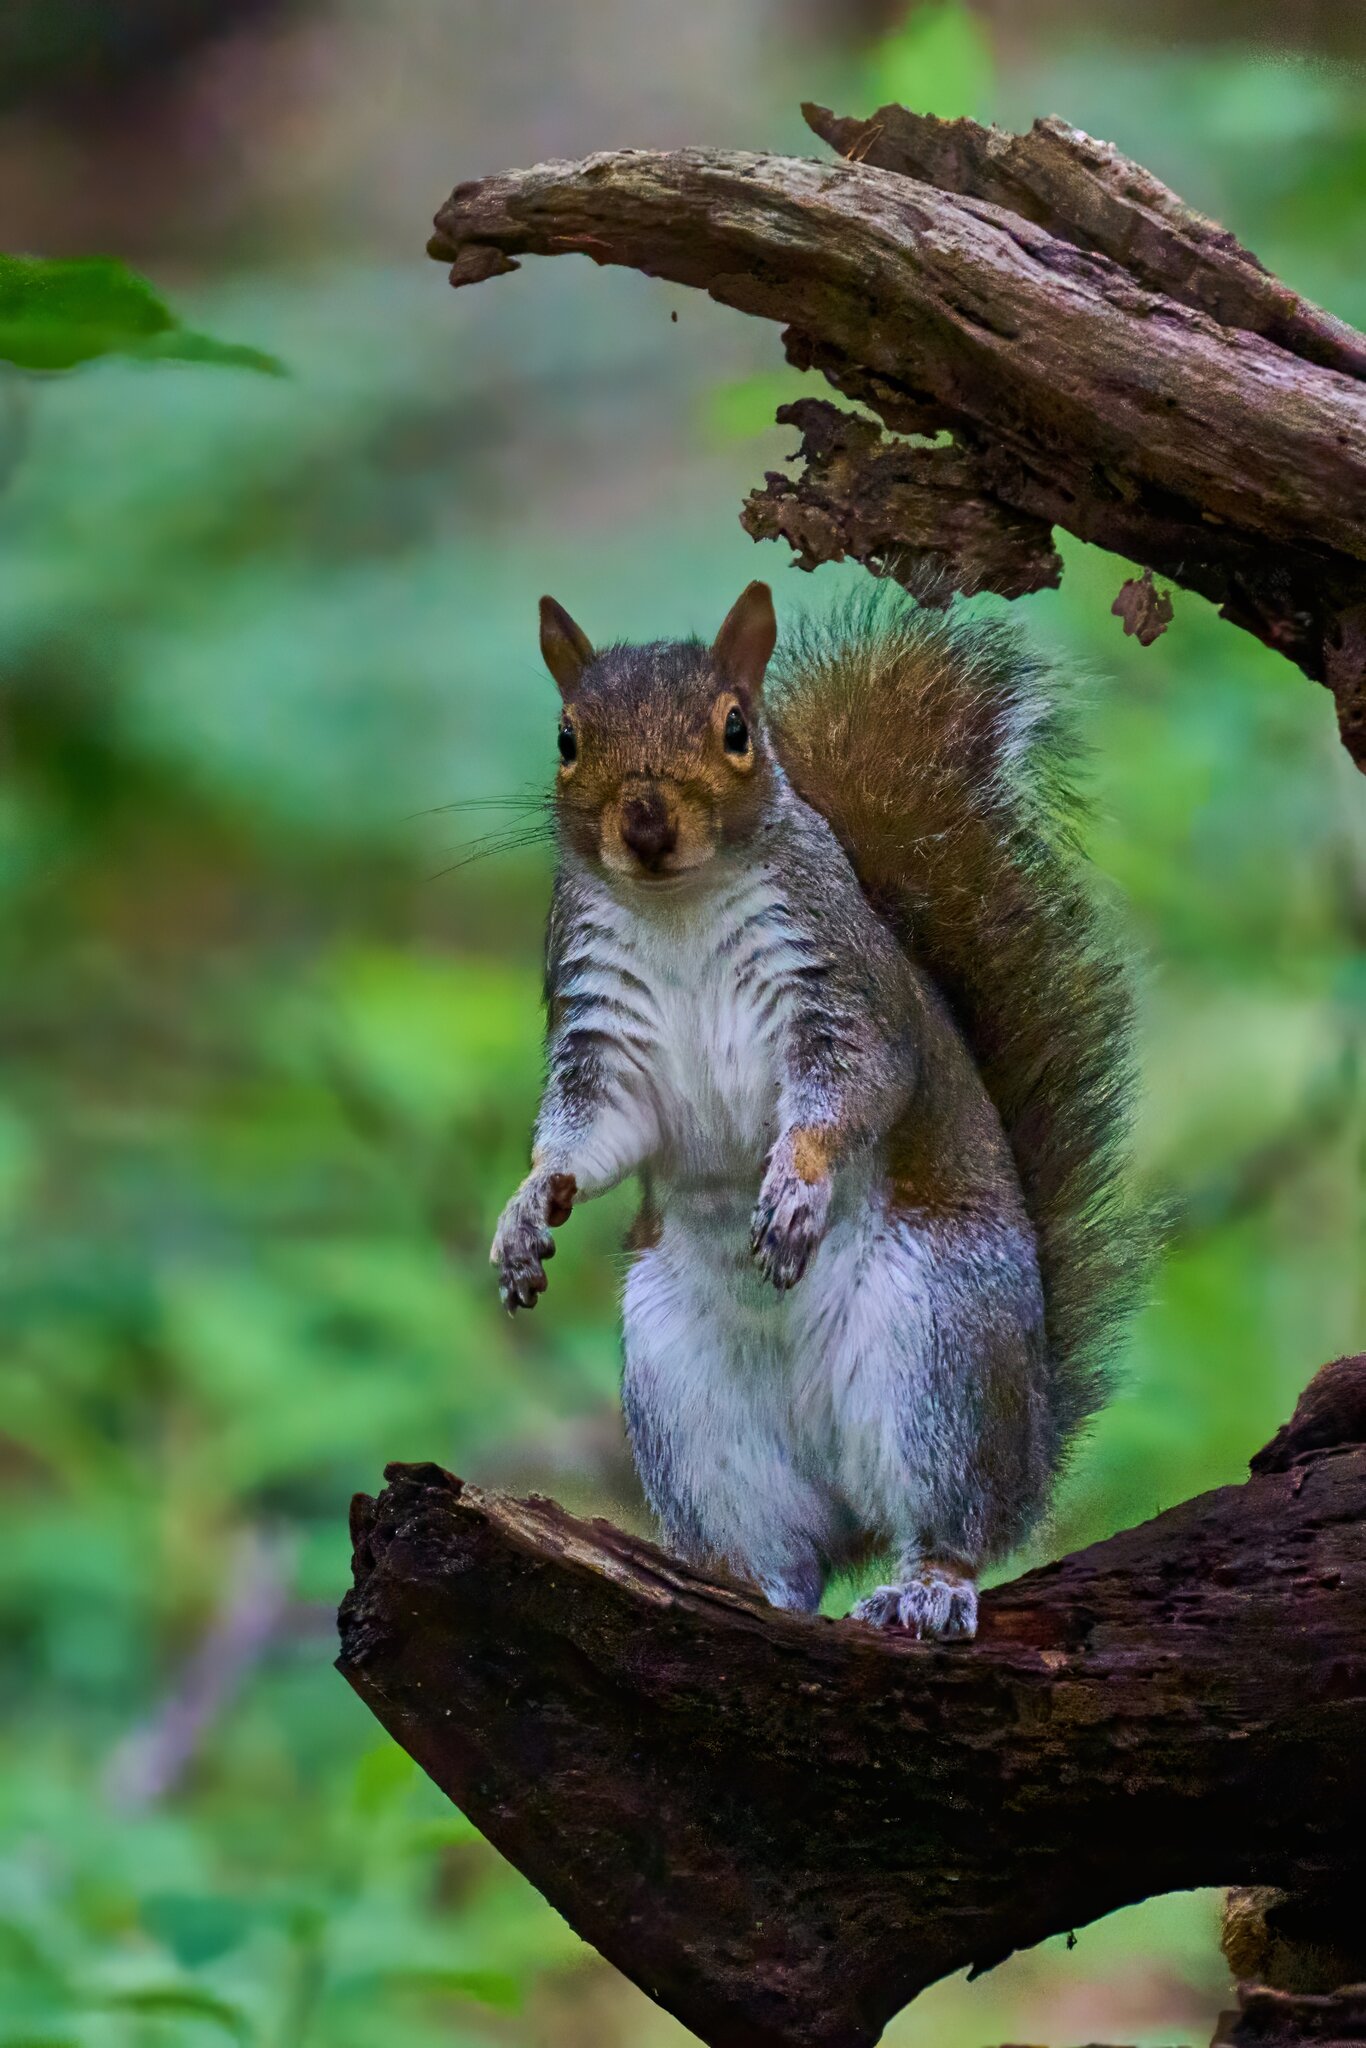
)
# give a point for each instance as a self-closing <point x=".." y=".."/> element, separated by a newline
<point x="933" y="747"/>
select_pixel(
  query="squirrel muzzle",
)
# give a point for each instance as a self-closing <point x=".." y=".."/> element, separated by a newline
<point x="653" y="829"/>
<point x="649" y="827"/>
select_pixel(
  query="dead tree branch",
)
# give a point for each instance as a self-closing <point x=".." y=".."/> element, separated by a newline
<point x="1102" y="359"/>
<point x="784" y="1828"/>
<point x="1085" y="192"/>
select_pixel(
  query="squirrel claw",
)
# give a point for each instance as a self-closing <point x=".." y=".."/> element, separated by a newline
<point x="781" y="1260"/>
<point x="523" y="1241"/>
<point x="934" y="1605"/>
<point x="521" y="1271"/>
<point x="789" y="1222"/>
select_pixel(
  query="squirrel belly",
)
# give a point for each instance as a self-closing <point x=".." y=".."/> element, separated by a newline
<point x="827" y="977"/>
<point x="788" y="1437"/>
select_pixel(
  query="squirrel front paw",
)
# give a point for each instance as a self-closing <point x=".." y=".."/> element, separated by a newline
<point x="522" y="1242"/>
<point x="790" y="1215"/>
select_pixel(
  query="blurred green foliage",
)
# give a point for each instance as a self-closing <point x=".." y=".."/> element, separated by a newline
<point x="938" y="60"/>
<point x="271" y="1055"/>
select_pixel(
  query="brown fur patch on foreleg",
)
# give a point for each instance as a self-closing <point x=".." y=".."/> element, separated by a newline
<point x="812" y="1152"/>
<point x="794" y="1202"/>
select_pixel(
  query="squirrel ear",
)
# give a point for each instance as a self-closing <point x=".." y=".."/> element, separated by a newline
<point x="742" y="648"/>
<point x="565" y="647"/>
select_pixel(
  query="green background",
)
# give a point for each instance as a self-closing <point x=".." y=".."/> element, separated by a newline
<point x="271" y="1041"/>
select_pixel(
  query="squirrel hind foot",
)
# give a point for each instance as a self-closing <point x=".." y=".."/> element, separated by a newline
<point x="935" y="1603"/>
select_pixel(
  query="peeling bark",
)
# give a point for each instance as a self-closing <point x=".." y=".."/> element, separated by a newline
<point x="1087" y="193"/>
<point x="1170" y="402"/>
<point x="921" y="515"/>
<point x="783" y="1828"/>
<point x="1145" y="610"/>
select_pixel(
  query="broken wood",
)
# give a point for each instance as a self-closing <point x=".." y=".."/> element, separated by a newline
<point x="1101" y="358"/>
<point x="1285" y="1941"/>
<point x="1288" y="2019"/>
<point x="783" y="1828"/>
<point x="903" y="509"/>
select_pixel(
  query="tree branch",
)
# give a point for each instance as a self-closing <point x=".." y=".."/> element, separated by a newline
<point x="1212" y="429"/>
<point x="1087" y="193"/>
<point x="784" y="1828"/>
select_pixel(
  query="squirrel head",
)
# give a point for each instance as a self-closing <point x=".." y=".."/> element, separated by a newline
<point x="664" y="760"/>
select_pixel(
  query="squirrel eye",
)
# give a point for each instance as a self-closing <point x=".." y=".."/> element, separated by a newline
<point x="569" y="745"/>
<point x="735" y="738"/>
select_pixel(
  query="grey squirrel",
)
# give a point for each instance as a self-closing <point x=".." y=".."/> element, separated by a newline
<point x="823" y="970"/>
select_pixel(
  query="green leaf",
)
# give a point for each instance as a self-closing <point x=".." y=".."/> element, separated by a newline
<point x="24" y="1956"/>
<point x="177" y="2002"/>
<point x="198" y="1928"/>
<point x="56" y="313"/>
<point x="494" y="1988"/>
<point x="183" y="345"/>
<point x="938" y="61"/>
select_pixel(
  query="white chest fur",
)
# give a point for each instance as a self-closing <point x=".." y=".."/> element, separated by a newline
<point x="710" y="979"/>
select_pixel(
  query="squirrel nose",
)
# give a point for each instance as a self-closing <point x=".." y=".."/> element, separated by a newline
<point x="647" y="828"/>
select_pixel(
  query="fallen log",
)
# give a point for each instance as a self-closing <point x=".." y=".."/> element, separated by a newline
<point x="783" y="1828"/>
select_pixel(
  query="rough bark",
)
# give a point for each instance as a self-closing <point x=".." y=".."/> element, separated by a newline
<point x="1284" y="1941"/>
<point x="1085" y="192"/>
<point x="784" y="1828"/>
<point x="1286" y="2019"/>
<point x="905" y="510"/>
<point x="1176" y="406"/>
